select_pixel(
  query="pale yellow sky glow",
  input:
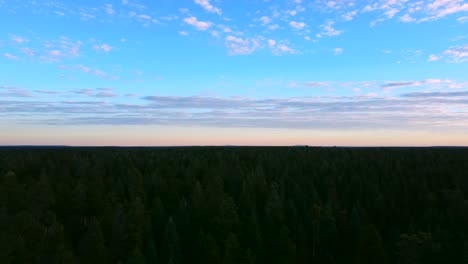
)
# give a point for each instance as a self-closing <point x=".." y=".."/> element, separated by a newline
<point x="188" y="136"/>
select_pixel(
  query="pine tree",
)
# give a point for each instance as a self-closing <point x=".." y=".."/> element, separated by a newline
<point x="171" y="242"/>
<point x="136" y="257"/>
<point x="232" y="250"/>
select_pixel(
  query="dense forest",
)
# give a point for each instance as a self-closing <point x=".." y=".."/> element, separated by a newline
<point x="233" y="205"/>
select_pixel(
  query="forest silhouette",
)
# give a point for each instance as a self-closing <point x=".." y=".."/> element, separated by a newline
<point x="233" y="205"/>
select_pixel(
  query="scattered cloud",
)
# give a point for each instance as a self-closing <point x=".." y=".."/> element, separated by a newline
<point x="283" y="49"/>
<point x="401" y="84"/>
<point x="241" y="46"/>
<point x="349" y="15"/>
<point x="462" y="19"/>
<point x="338" y="51"/>
<point x="103" y="47"/>
<point x="208" y="7"/>
<point x="10" y="56"/>
<point x="316" y="84"/>
<point x="359" y="111"/>
<point x="200" y="25"/>
<point x="19" y="39"/>
<point x="328" y="30"/>
<point x="297" y="25"/>
<point x="47" y="92"/>
<point x="436" y="94"/>
<point x="106" y="95"/>
<point x="265" y="20"/>
<point x="407" y="18"/>
<point x="433" y="57"/>
<point x="10" y="91"/>
<point x="94" y="72"/>
<point x="109" y="9"/>
<point x="271" y="42"/>
<point x="457" y="54"/>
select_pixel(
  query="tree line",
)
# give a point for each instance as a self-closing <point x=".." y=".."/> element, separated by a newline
<point x="234" y="205"/>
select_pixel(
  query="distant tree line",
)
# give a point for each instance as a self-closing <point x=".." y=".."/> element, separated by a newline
<point x="233" y="205"/>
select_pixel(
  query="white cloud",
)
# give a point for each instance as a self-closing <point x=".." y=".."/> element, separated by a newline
<point x="215" y="33"/>
<point x="18" y="39"/>
<point x="265" y="20"/>
<point x="103" y="47"/>
<point x="241" y="46"/>
<point x="91" y="71"/>
<point x="331" y="4"/>
<point x="433" y="57"/>
<point x="458" y="53"/>
<point x="350" y="15"/>
<point x="273" y="27"/>
<point x="280" y="48"/>
<point x="55" y="53"/>
<point x="297" y="25"/>
<point x="109" y="9"/>
<point x="329" y="30"/>
<point x="28" y="51"/>
<point x="271" y="42"/>
<point x="10" y="56"/>
<point x="441" y="8"/>
<point x="183" y="33"/>
<point x="146" y="17"/>
<point x="200" y="25"/>
<point x="407" y="18"/>
<point x="369" y="8"/>
<point x="391" y="12"/>
<point x="462" y="19"/>
<point x="208" y="7"/>
<point x="338" y="51"/>
<point x="283" y="48"/>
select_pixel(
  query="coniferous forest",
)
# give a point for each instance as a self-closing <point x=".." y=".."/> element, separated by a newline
<point x="233" y="205"/>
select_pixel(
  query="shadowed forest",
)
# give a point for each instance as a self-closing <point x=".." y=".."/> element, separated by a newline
<point x="233" y="205"/>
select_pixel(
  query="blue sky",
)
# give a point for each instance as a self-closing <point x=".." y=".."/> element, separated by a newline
<point x="216" y="72"/>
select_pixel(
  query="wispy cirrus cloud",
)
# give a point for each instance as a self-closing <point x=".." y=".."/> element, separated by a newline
<point x="11" y="91"/>
<point x="48" y="92"/>
<point x="10" y="56"/>
<point x="94" y="72"/>
<point x="316" y="84"/>
<point x="208" y="6"/>
<point x="18" y="39"/>
<point x="200" y="25"/>
<point x="462" y="19"/>
<point x="106" y="94"/>
<point x="436" y="110"/>
<point x="436" y="94"/>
